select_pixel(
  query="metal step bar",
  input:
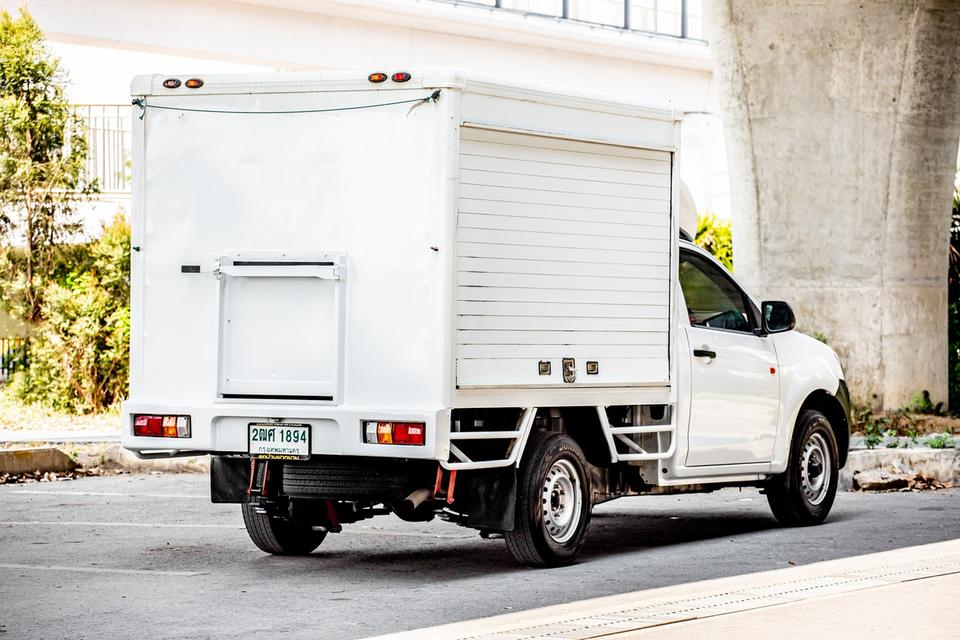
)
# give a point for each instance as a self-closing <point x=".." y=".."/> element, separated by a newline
<point x="619" y="434"/>
<point x="462" y="462"/>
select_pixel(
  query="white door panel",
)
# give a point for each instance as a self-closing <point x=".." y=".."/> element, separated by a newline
<point x="734" y="400"/>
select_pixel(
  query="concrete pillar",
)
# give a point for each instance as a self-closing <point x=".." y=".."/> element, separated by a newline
<point x="842" y="121"/>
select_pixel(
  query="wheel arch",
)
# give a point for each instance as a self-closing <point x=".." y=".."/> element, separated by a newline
<point x="836" y="409"/>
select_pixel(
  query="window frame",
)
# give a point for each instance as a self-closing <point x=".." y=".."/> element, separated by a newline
<point x="753" y="312"/>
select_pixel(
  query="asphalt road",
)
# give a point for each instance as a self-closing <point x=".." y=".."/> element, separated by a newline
<point x="150" y="557"/>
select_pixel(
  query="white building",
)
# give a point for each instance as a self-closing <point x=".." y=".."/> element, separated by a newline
<point x="648" y="51"/>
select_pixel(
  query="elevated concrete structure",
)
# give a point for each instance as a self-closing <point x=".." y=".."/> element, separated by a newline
<point x="842" y="121"/>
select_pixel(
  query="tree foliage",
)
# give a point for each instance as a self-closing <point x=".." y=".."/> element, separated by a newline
<point x="42" y="166"/>
<point x="79" y="353"/>
<point x="716" y="236"/>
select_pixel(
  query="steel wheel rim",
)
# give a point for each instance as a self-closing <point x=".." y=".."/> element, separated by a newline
<point x="815" y="469"/>
<point x="561" y="501"/>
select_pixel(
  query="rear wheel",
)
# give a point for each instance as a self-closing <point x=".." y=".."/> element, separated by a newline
<point x="280" y="537"/>
<point x="553" y="502"/>
<point x="804" y="493"/>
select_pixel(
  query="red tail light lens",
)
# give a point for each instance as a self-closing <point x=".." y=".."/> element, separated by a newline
<point x="155" y="426"/>
<point x="400" y="76"/>
<point x="406" y="433"/>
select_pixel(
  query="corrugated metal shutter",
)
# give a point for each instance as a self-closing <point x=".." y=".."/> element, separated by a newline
<point x="563" y="252"/>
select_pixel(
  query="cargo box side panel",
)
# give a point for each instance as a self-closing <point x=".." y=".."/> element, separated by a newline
<point x="563" y="262"/>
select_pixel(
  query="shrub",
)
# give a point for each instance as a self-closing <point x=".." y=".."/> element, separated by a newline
<point x="716" y="236"/>
<point x="79" y="353"/>
<point x="941" y="441"/>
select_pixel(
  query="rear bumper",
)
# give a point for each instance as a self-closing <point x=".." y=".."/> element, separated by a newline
<point x="221" y="427"/>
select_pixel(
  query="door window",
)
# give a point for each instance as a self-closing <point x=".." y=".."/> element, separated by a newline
<point x="713" y="300"/>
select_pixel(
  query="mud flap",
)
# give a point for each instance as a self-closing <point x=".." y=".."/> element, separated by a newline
<point x="491" y="495"/>
<point x="229" y="479"/>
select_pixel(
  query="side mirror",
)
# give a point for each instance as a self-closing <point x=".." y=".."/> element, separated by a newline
<point x="777" y="316"/>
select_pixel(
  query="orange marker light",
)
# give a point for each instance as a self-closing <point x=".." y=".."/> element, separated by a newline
<point x="193" y="83"/>
<point x="400" y="76"/>
<point x="377" y="77"/>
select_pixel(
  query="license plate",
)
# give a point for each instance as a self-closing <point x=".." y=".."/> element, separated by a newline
<point x="278" y="441"/>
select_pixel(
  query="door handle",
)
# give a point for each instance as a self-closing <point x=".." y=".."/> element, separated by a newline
<point x="704" y="353"/>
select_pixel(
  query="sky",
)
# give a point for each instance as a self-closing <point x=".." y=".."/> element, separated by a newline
<point x="102" y="76"/>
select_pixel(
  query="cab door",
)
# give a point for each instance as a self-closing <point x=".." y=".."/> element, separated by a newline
<point x="734" y="372"/>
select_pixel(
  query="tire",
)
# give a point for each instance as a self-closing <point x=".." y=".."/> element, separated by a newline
<point x="550" y="530"/>
<point x="804" y="493"/>
<point x="280" y="537"/>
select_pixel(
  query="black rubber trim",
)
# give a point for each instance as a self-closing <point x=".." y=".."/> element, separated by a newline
<point x="260" y="396"/>
<point x="279" y="263"/>
<point x="189" y="268"/>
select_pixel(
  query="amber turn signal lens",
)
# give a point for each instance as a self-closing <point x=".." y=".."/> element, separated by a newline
<point x="171" y="83"/>
<point x="400" y="76"/>
<point x="377" y="77"/>
<point x="193" y="83"/>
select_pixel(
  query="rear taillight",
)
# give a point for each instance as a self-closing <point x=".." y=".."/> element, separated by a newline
<point x="408" y="433"/>
<point x="161" y="426"/>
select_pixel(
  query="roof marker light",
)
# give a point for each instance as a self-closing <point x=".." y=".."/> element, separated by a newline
<point x="193" y="83"/>
<point x="377" y="77"/>
<point x="171" y="83"/>
<point x="400" y="76"/>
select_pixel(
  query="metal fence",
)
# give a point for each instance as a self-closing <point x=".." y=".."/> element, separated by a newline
<point x="678" y="18"/>
<point x="107" y="130"/>
<point x="13" y="356"/>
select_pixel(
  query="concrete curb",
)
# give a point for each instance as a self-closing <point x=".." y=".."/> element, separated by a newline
<point x="937" y="464"/>
<point x="44" y="460"/>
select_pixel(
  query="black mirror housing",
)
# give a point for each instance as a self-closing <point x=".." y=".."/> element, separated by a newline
<point x="777" y="316"/>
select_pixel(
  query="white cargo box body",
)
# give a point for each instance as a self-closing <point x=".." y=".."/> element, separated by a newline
<point x="320" y="249"/>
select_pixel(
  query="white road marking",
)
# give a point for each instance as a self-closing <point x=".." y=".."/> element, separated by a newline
<point x="109" y="494"/>
<point x="171" y="525"/>
<point x="146" y="525"/>
<point x="51" y="567"/>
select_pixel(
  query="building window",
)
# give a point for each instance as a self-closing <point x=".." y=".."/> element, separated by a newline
<point x="678" y="18"/>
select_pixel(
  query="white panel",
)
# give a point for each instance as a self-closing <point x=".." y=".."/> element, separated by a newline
<point x="538" y="224"/>
<point x="279" y="328"/>
<point x="548" y="239"/>
<point x="563" y="252"/>
<point x="656" y="214"/>
<point x="527" y="252"/>
<point x="506" y="372"/>
<point x="368" y="182"/>
<point x="564" y="185"/>
<point x="557" y="170"/>
<point x="498" y="265"/>
<point x="545" y="311"/>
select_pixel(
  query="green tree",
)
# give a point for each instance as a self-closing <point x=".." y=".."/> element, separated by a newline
<point x="80" y="351"/>
<point x="42" y="166"/>
<point x="716" y="236"/>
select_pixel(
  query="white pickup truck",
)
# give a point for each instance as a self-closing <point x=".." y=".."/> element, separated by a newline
<point x="419" y="293"/>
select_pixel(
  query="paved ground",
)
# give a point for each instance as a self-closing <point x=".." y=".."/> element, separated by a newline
<point x="148" y="556"/>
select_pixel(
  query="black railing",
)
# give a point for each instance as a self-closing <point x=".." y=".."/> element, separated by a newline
<point x="676" y="18"/>
<point x="13" y="356"/>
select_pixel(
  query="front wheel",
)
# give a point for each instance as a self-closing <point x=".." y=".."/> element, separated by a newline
<point x="280" y="537"/>
<point x="804" y="493"/>
<point x="553" y="502"/>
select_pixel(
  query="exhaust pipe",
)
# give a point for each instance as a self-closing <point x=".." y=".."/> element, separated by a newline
<point x="407" y="509"/>
<point x="415" y="499"/>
